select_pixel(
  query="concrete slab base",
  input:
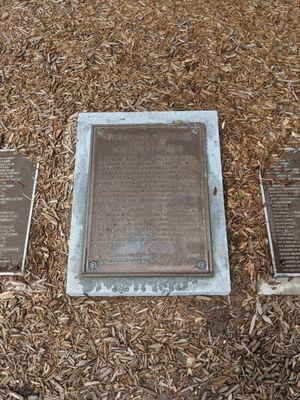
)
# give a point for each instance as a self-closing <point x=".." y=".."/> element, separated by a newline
<point x="219" y="284"/>
<point x="279" y="286"/>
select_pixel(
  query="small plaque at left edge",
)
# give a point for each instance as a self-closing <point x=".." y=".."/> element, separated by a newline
<point x="17" y="187"/>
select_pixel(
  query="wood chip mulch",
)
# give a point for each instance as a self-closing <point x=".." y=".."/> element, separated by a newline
<point x="58" y="58"/>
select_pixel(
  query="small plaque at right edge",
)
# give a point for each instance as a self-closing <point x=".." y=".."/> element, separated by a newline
<point x="281" y="194"/>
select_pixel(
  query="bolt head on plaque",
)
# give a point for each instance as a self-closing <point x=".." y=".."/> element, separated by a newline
<point x="93" y="264"/>
<point x="201" y="264"/>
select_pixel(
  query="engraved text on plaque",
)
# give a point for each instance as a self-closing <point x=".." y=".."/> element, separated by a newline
<point x="148" y="210"/>
<point x="16" y="191"/>
<point x="281" y="185"/>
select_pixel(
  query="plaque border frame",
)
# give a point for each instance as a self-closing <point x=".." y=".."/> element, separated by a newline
<point x="35" y="177"/>
<point x="272" y="234"/>
<point x="271" y="231"/>
<point x="208" y="272"/>
<point x="80" y="285"/>
<point x="278" y="283"/>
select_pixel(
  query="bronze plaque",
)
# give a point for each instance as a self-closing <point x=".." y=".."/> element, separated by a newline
<point x="17" y="185"/>
<point x="148" y="210"/>
<point x="281" y="186"/>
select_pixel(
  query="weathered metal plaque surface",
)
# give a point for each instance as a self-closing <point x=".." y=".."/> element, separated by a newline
<point x="281" y="187"/>
<point x="17" y="183"/>
<point x="148" y="203"/>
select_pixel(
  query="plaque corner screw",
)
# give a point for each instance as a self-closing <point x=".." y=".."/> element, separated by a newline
<point x="195" y="131"/>
<point x="93" y="264"/>
<point x="201" y="264"/>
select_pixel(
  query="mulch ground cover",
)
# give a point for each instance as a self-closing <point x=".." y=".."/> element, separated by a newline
<point x="58" y="58"/>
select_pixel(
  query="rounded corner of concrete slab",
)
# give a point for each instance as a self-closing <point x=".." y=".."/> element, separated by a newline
<point x="226" y="291"/>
